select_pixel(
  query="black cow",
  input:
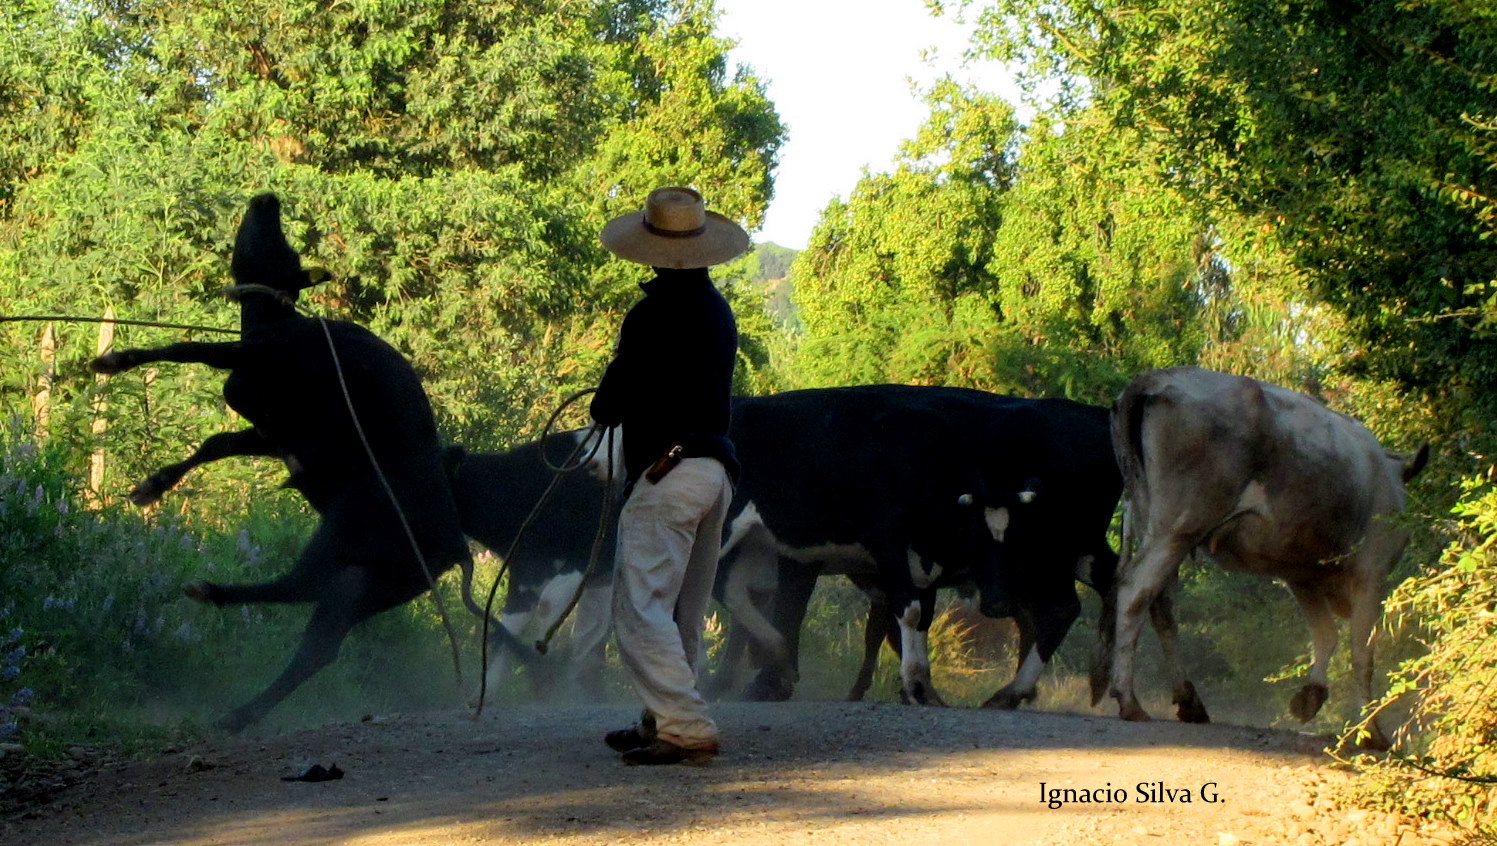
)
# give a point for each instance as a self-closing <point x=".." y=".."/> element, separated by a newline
<point x="348" y="415"/>
<point x="824" y="492"/>
<point x="852" y="481"/>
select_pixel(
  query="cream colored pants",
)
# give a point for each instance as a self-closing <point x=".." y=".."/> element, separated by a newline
<point x="669" y="533"/>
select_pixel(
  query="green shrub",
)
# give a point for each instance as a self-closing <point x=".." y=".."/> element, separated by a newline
<point x="1445" y="763"/>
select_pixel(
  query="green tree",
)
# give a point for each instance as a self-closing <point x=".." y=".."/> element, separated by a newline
<point x="894" y="285"/>
<point x="1358" y="135"/>
<point x="1051" y="261"/>
<point x="449" y="163"/>
<point x="1101" y="269"/>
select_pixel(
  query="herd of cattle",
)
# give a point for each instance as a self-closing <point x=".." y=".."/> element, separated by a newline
<point x="904" y="490"/>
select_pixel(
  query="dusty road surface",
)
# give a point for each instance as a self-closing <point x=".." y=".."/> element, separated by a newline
<point x="791" y="773"/>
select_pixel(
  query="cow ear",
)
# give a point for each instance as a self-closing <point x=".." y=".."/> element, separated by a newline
<point x="966" y="500"/>
<point x="1412" y="466"/>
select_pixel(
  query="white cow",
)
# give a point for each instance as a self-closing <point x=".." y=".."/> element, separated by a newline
<point x="1261" y="480"/>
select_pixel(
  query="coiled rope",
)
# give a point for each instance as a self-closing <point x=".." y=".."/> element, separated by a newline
<point x="568" y="465"/>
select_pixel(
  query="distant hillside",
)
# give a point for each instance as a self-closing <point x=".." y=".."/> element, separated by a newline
<point x="773" y="272"/>
<point x="774" y="261"/>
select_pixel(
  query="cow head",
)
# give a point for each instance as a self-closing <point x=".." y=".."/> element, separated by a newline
<point x="1004" y="513"/>
<point x="264" y="261"/>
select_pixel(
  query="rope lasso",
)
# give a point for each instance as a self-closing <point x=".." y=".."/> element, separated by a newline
<point x="405" y="523"/>
<point x="593" y="555"/>
<point x="73" y="318"/>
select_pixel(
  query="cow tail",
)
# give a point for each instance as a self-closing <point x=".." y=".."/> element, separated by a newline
<point x="1128" y="447"/>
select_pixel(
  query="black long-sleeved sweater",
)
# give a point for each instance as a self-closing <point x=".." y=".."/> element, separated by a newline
<point x="671" y="378"/>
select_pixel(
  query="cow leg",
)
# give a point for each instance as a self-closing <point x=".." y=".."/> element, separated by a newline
<point x="501" y="658"/>
<point x="876" y="631"/>
<point x="1137" y="588"/>
<point x="1041" y="630"/>
<point x="732" y="662"/>
<point x="1101" y="575"/>
<point x="1101" y="669"/>
<point x="223" y="445"/>
<point x="776" y="681"/>
<point x="591" y="625"/>
<point x="555" y="600"/>
<point x="1188" y="705"/>
<point x="330" y="623"/>
<point x="1366" y="609"/>
<point x="749" y="578"/>
<point x="1026" y="673"/>
<point x="220" y="355"/>
<point x="914" y="660"/>
<point x="290" y="588"/>
<point x="1317" y="610"/>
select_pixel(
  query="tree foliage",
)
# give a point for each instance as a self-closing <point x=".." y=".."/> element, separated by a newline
<point x="893" y="286"/>
<point x="1343" y="153"/>
<point x="1357" y="134"/>
<point x="1046" y="261"/>
<point x="448" y="163"/>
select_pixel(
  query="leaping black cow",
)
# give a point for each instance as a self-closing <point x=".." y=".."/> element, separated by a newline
<point x="348" y="415"/>
<point x="1263" y="480"/>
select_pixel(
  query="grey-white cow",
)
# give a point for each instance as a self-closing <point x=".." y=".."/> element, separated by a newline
<point x="1262" y="480"/>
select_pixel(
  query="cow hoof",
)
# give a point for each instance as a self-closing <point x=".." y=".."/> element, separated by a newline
<point x="767" y="690"/>
<point x="1307" y="701"/>
<point x="1375" y="741"/>
<point x="108" y="363"/>
<point x="1130" y="710"/>
<point x="1188" y="706"/>
<point x="200" y="592"/>
<point x="922" y="695"/>
<point x="1098" y="682"/>
<point x="146" y="492"/>
<point x="1008" y="700"/>
<point x="233" y="722"/>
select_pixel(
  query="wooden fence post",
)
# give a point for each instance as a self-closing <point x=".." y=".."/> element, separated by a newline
<point x="41" y="402"/>
<point x="101" y="405"/>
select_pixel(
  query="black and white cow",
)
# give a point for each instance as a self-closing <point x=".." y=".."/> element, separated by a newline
<point x="849" y="481"/>
<point x="1262" y="480"/>
<point x="830" y="489"/>
<point x="496" y="494"/>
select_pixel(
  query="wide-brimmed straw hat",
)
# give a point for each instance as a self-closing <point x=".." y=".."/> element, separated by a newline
<point x="675" y="230"/>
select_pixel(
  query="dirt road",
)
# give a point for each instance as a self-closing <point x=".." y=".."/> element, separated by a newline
<point x="791" y="773"/>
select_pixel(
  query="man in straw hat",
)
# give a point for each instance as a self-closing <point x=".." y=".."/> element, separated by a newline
<point x="669" y="385"/>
